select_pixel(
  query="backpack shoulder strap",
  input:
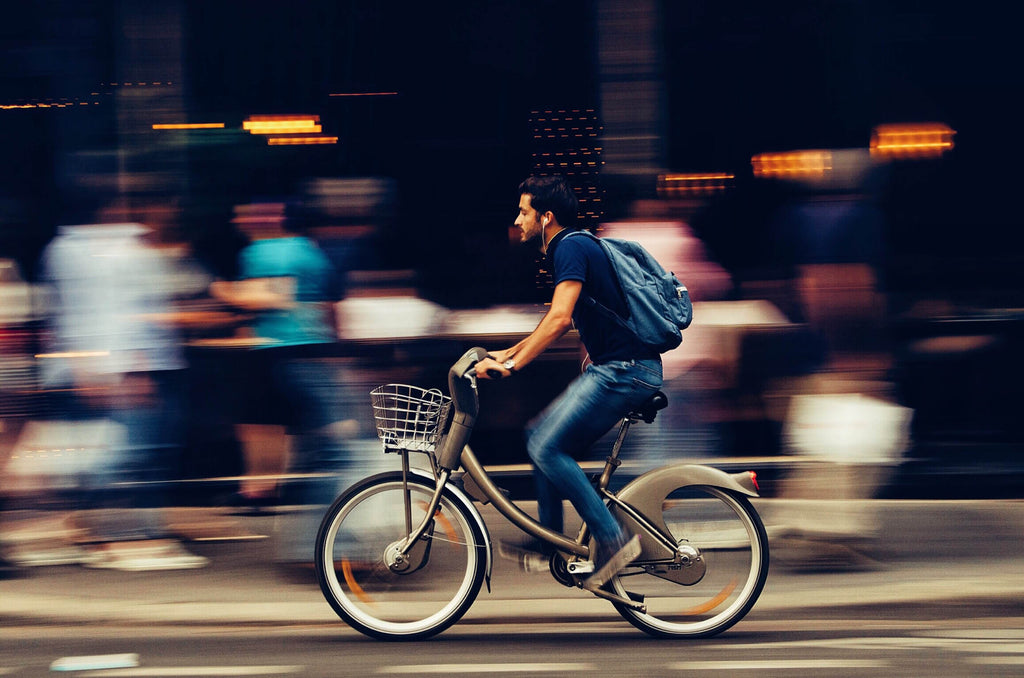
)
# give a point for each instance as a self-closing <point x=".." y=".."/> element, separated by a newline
<point x="590" y="300"/>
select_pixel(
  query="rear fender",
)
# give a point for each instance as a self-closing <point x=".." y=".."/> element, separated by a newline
<point x="647" y="494"/>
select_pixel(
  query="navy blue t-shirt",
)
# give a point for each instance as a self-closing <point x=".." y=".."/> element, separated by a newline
<point x="581" y="258"/>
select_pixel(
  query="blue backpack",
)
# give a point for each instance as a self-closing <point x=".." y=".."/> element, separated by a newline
<point x="658" y="304"/>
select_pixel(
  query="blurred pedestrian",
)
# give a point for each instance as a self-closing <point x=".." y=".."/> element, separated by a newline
<point x="290" y="286"/>
<point x="843" y="418"/>
<point x="108" y="359"/>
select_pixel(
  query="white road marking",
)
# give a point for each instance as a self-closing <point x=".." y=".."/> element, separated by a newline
<point x="486" y="668"/>
<point x="146" y="671"/>
<point x="981" y="634"/>
<point x="998" y="661"/>
<point x="893" y="643"/>
<point x="95" y="661"/>
<point x="779" y="665"/>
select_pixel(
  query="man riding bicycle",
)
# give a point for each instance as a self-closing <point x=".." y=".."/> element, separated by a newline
<point x="620" y="372"/>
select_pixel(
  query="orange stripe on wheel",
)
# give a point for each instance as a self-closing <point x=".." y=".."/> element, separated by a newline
<point x="714" y="602"/>
<point x="346" y="570"/>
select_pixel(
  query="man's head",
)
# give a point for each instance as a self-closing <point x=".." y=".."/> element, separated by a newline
<point x="545" y="202"/>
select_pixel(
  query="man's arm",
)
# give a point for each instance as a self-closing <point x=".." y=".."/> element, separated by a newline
<point x="556" y="322"/>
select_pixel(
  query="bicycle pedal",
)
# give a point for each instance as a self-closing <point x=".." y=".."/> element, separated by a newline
<point x="580" y="567"/>
<point x="635" y="597"/>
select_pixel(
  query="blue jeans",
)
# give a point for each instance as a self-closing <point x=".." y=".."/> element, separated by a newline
<point x="592" y="404"/>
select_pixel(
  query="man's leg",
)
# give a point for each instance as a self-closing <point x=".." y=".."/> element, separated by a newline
<point x="585" y="411"/>
<point x="549" y="503"/>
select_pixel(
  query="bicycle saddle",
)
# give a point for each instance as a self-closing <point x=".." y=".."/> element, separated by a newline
<point x="649" y="409"/>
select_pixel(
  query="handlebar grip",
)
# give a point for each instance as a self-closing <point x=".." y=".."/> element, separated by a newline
<point x="466" y="406"/>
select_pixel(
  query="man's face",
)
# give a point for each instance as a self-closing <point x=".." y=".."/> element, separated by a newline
<point x="528" y="220"/>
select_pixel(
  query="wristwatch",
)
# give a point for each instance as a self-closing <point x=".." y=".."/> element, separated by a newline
<point x="509" y="364"/>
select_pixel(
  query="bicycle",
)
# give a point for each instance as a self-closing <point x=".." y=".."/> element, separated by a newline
<point x="403" y="554"/>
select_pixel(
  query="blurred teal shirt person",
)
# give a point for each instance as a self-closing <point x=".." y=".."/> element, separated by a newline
<point x="297" y="258"/>
<point x="289" y="286"/>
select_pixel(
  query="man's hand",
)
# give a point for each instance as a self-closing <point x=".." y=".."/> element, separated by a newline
<point x="492" y="365"/>
<point x="553" y="325"/>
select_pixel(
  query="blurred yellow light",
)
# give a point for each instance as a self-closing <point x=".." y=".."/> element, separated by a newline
<point x="792" y="164"/>
<point x="301" y="141"/>
<point x="190" y="125"/>
<point x="282" y="124"/>
<point x="905" y="140"/>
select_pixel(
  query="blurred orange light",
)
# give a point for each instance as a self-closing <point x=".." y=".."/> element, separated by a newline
<point x="670" y="185"/>
<point x="282" y="124"/>
<point x="792" y="164"/>
<point x="301" y="141"/>
<point x="190" y="125"/>
<point x="911" y="140"/>
<point x="364" y="94"/>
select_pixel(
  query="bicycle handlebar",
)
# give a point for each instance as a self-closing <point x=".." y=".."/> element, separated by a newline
<point x="466" y="405"/>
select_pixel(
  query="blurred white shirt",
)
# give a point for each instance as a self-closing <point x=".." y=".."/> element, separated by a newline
<point x="103" y="280"/>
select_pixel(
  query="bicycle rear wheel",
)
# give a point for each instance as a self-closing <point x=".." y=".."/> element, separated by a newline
<point x="727" y="539"/>
<point x="425" y="596"/>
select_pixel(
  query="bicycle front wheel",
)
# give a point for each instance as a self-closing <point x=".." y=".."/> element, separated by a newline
<point x="728" y="549"/>
<point x="421" y="597"/>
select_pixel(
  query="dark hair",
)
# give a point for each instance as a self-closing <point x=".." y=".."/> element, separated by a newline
<point x="552" y="194"/>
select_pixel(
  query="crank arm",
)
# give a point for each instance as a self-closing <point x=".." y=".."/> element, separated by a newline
<point x="637" y="605"/>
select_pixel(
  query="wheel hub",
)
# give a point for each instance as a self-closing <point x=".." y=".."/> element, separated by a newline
<point x="394" y="559"/>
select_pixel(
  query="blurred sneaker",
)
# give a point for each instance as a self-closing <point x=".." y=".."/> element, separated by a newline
<point x="532" y="556"/>
<point x="610" y="559"/>
<point x="143" y="556"/>
<point x="44" y="554"/>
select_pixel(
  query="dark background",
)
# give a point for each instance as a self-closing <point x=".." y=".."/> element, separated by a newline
<point x="739" y="78"/>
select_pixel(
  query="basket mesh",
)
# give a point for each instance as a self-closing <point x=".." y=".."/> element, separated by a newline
<point x="409" y="417"/>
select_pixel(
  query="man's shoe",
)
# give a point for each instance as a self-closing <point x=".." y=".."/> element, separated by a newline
<point x="532" y="556"/>
<point x="609" y="561"/>
<point x="143" y="556"/>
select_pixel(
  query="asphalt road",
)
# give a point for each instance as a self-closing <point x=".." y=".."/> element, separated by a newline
<point x="942" y="595"/>
<point x="920" y="640"/>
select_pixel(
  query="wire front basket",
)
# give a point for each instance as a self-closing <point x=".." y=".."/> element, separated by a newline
<point x="409" y="417"/>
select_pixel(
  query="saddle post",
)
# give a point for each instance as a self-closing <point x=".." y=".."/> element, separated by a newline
<point x="646" y="412"/>
<point x="613" y="461"/>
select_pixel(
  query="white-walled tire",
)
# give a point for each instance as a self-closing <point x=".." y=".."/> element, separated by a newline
<point x="373" y="598"/>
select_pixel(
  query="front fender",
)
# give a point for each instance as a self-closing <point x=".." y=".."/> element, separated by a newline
<point x="467" y="505"/>
<point x="647" y="493"/>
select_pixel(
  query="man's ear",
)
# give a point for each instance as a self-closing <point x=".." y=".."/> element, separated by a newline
<point x="546" y="218"/>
